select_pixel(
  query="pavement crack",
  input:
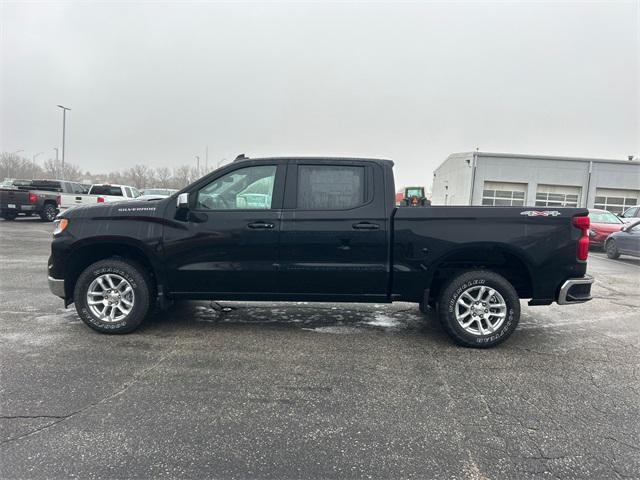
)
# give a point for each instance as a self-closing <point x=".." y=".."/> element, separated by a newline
<point x="9" y="417"/>
<point x="135" y="378"/>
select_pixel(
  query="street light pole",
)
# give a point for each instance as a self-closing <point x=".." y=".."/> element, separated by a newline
<point x="64" y="121"/>
<point x="33" y="168"/>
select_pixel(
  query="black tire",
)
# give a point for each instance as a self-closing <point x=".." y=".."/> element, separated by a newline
<point x="612" y="249"/>
<point x="471" y="280"/>
<point x="424" y="308"/>
<point x="9" y="216"/>
<point x="48" y="213"/>
<point x="140" y="282"/>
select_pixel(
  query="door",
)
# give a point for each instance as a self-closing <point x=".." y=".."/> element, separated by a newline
<point x="78" y="194"/>
<point x="228" y="242"/>
<point x="629" y="241"/>
<point x="333" y="240"/>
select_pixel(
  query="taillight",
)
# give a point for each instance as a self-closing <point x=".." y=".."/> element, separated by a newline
<point x="583" y="244"/>
<point x="100" y="199"/>
<point x="58" y="199"/>
<point x="33" y="198"/>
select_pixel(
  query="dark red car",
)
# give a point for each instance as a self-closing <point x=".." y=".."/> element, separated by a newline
<point x="603" y="224"/>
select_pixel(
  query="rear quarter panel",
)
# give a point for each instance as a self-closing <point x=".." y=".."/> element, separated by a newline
<point x="423" y="238"/>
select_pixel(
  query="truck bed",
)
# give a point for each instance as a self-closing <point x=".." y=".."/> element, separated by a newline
<point x="541" y="243"/>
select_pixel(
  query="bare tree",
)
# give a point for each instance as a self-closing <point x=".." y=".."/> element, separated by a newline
<point x="15" y="166"/>
<point x="163" y="177"/>
<point x="138" y="175"/>
<point x="181" y="176"/>
<point x="53" y="170"/>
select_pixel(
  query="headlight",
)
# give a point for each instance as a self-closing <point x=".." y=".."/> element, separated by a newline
<point x="592" y="233"/>
<point x="61" y="226"/>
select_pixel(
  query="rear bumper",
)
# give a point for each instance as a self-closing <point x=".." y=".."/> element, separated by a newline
<point x="575" y="290"/>
<point x="56" y="286"/>
<point x="17" y="208"/>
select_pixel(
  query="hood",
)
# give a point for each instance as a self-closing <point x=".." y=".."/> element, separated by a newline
<point x="125" y="208"/>
<point x="606" y="227"/>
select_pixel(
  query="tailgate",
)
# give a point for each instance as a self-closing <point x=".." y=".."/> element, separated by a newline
<point x="10" y="198"/>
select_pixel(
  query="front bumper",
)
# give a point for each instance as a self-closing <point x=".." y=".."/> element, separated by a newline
<point x="56" y="286"/>
<point x="575" y="290"/>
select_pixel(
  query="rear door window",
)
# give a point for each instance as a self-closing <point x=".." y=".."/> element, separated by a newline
<point x="330" y="187"/>
<point x="106" y="190"/>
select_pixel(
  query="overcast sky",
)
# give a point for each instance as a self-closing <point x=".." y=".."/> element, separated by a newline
<point x="155" y="83"/>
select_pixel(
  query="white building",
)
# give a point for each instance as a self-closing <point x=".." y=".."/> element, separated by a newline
<point x="481" y="178"/>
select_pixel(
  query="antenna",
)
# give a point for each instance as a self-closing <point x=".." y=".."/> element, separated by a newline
<point x="242" y="156"/>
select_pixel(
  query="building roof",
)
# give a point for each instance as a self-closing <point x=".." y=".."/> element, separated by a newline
<point x="545" y="157"/>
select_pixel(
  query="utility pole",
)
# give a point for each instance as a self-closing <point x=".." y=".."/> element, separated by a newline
<point x="206" y="159"/>
<point x="64" y="121"/>
<point x="56" y="164"/>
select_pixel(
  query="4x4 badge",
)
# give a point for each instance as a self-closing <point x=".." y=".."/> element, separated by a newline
<point x="541" y="213"/>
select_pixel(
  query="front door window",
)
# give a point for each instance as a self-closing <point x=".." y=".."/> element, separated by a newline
<point x="249" y="188"/>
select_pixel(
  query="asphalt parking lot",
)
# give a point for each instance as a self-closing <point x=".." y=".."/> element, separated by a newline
<point x="265" y="390"/>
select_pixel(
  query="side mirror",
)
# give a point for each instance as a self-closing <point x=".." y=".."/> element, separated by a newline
<point x="183" y="200"/>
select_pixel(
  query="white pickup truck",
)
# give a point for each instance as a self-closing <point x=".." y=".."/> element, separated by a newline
<point x="113" y="193"/>
<point x="70" y="194"/>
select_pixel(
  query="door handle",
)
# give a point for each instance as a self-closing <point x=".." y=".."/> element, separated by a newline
<point x="366" y="226"/>
<point x="260" y="225"/>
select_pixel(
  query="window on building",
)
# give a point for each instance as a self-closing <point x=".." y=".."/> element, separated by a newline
<point x="502" y="194"/>
<point x="614" y="200"/>
<point x="557" y="196"/>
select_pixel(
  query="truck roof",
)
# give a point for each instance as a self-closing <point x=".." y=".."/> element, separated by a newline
<point x="383" y="161"/>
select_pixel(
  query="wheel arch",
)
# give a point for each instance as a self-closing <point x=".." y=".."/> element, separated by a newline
<point x="89" y="252"/>
<point x="503" y="259"/>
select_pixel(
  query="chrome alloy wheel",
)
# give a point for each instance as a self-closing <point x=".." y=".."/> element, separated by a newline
<point x="480" y="310"/>
<point x="110" y="297"/>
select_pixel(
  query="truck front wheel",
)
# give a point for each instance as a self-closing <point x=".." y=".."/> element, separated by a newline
<point x="113" y="295"/>
<point x="479" y="308"/>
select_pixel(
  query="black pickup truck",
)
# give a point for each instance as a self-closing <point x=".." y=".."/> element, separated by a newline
<point x="317" y="229"/>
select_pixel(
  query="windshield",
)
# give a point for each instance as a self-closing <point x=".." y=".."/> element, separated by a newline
<point x="603" y="217"/>
<point x="158" y="191"/>
<point x="414" y="192"/>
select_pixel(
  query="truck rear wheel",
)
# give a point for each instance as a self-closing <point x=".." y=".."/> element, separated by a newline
<point x="479" y="308"/>
<point x="113" y="295"/>
<point x="48" y="213"/>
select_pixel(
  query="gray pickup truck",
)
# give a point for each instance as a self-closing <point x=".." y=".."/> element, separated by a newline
<point x="28" y="198"/>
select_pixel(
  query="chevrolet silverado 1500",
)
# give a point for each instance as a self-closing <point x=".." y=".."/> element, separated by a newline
<point x="318" y="229"/>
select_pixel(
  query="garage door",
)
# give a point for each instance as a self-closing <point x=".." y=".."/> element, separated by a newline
<point x="557" y="196"/>
<point x="504" y="194"/>
<point x="616" y="200"/>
